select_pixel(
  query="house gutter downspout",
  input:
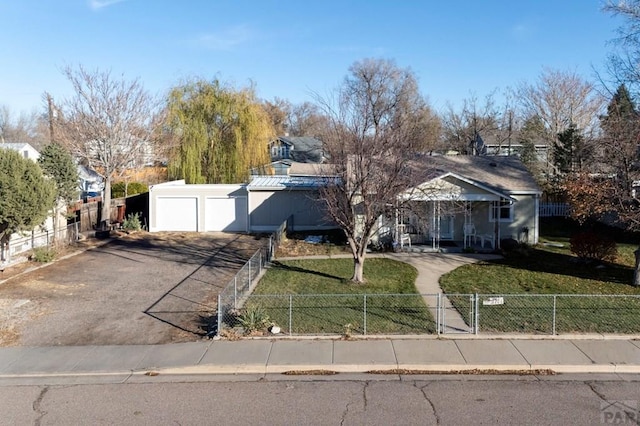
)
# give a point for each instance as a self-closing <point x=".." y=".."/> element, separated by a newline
<point x="248" y="209"/>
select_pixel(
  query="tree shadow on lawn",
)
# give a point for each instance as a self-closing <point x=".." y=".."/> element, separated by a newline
<point x="537" y="260"/>
<point x="279" y="266"/>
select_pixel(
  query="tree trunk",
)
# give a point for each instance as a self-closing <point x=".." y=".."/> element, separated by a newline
<point x="358" y="268"/>
<point x="55" y="222"/>
<point x="106" y="204"/>
<point x="636" y="270"/>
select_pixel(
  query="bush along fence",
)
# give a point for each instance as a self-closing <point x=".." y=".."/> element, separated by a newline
<point x="397" y="314"/>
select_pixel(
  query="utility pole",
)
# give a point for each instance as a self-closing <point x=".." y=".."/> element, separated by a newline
<point x="50" y="113"/>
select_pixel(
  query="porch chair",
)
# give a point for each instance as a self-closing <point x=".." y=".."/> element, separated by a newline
<point x="470" y="234"/>
<point x="490" y="238"/>
<point x="405" y="238"/>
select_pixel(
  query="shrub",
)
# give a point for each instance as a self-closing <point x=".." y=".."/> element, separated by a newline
<point x="43" y="254"/>
<point x="253" y="318"/>
<point x="592" y="246"/>
<point x="132" y="222"/>
<point x="118" y="189"/>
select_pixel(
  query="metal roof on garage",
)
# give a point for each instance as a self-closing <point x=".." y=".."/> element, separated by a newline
<point x="277" y="182"/>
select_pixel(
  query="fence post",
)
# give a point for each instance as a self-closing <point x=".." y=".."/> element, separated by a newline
<point x="235" y="292"/>
<point x="553" y="329"/>
<point x="219" y="316"/>
<point x="438" y="313"/>
<point x="443" y="317"/>
<point x="249" y="275"/>
<point x="365" y="314"/>
<point x="476" y="314"/>
<point x="290" y="314"/>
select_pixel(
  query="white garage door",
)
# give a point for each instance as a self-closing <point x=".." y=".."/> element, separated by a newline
<point x="226" y="214"/>
<point x="177" y="214"/>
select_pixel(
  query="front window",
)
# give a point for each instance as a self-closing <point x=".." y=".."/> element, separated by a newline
<point x="502" y="211"/>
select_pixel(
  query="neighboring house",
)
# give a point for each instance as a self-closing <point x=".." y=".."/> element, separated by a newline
<point x="90" y="183"/>
<point x="301" y="149"/>
<point x="492" y="145"/>
<point x="467" y="200"/>
<point x="26" y="150"/>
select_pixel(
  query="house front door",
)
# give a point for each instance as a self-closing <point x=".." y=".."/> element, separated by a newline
<point x="446" y="228"/>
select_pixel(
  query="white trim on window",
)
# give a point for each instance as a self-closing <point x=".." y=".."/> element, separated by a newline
<point x="505" y="209"/>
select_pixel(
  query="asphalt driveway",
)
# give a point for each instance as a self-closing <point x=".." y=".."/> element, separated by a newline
<point x="140" y="289"/>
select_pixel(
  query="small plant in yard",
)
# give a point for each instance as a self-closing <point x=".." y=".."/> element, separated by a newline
<point x="132" y="222"/>
<point x="590" y="246"/>
<point x="43" y="254"/>
<point x="253" y="319"/>
<point x="348" y="331"/>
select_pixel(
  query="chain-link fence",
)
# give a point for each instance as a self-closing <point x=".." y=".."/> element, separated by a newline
<point x="327" y="314"/>
<point x="234" y="295"/>
<point x="401" y="314"/>
<point x="558" y="313"/>
<point x="23" y="242"/>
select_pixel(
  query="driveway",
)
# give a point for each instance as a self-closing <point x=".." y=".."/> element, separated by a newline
<point x="139" y="289"/>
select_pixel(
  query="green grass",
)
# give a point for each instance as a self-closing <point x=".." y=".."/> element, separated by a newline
<point x="550" y="271"/>
<point x="325" y="301"/>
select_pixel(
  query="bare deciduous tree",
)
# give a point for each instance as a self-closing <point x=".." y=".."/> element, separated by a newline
<point x="461" y="128"/>
<point x="108" y="123"/>
<point x="279" y="111"/>
<point x="560" y="99"/>
<point x="622" y="65"/>
<point x="307" y="119"/>
<point x="23" y="128"/>
<point x="373" y="134"/>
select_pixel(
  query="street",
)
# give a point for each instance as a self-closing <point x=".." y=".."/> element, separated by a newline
<point x="335" y="400"/>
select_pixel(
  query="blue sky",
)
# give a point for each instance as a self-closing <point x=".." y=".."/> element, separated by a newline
<point x="290" y="49"/>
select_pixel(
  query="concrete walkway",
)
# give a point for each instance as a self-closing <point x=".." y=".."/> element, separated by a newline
<point x="430" y="268"/>
<point x="116" y="364"/>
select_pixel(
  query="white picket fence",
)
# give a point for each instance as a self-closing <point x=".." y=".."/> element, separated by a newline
<point x="553" y="210"/>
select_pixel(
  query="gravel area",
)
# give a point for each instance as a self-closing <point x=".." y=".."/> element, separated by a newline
<point x="144" y="288"/>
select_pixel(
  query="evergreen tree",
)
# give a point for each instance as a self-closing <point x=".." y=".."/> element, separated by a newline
<point x="532" y="131"/>
<point x="619" y="143"/>
<point x="570" y="150"/>
<point x="221" y="133"/>
<point x="26" y="196"/>
<point x="57" y="163"/>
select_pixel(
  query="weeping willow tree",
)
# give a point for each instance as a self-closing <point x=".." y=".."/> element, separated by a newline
<point x="221" y="133"/>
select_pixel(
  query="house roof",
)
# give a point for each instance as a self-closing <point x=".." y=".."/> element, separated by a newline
<point x="502" y="174"/>
<point x="310" y="169"/>
<point x="16" y="146"/>
<point x="13" y="145"/>
<point x="306" y="149"/>
<point x="279" y="182"/>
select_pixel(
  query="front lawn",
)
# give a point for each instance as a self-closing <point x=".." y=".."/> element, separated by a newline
<point x="323" y="300"/>
<point x="550" y="270"/>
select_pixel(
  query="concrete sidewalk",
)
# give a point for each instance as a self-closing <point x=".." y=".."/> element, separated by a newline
<point x="264" y="356"/>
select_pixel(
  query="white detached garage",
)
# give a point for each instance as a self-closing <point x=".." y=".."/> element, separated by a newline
<point x="176" y="206"/>
<point x="260" y="206"/>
